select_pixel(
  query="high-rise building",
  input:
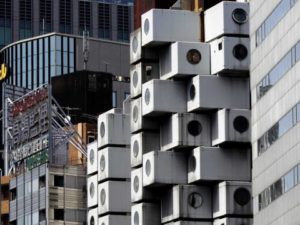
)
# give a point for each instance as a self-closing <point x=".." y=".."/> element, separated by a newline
<point x="108" y="19"/>
<point x="275" y="55"/>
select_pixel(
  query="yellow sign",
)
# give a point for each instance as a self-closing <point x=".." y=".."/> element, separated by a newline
<point x="3" y="72"/>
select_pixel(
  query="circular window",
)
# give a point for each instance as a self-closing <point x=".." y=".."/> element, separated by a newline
<point x="148" y="167"/>
<point x="136" y="183"/>
<point x="241" y="124"/>
<point x="192" y="92"/>
<point x="194" y="127"/>
<point x="147" y="96"/>
<point x="136" y="218"/>
<point x="240" y="52"/>
<point x="102" y="163"/>
<point x="193" y="56"/>
<point x="102" y="129"/>
<point x="92" y="190"/>
<point x="92" y="156"/>
<point x="103" y="224"/>
<point x="135" y="114"/>
<point x="136" y="148"/>
<point x="102" y="196"/>
<point x="195" y="200"/>
<point x="239" y="16"/>
<point x="135" y="79"/>
<point x="134" y="44"/>
<point x="192" y="163"/>
<point x="146" y="26"/>
<point x="242" y="196"/>
<point x="92" y="221"/>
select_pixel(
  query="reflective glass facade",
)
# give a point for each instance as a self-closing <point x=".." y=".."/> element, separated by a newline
<point x="5" y="22"/>
<point x="33" y="62"/>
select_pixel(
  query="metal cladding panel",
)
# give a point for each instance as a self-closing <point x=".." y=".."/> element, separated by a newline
<point x="92" y="217"/>
<point x="215" y="92"/>
<point x="183" y="130"/>
<point x="43" y="169"/>
<point x="163" y="97"/>
<point x="35" y="173"/>
<point x="230" y="56"/>
<point x="158" y="26"/>
<point x="28" y="204"/>
<point x="43" y="199"/>
<point x="92" y="155"/>
<point x="232" y="199"/>
<point x="142" y="143"/>
<point x="12" y="210"/>
<point x="12" y="183"/>
<point x="164" y="168"/>
<point x="233" y="221"/>
<point x="113" y="163"/>
<point x="145" y="214"/>
<point x="233" y="20"/>
<point x="183" y="59"/>
<point x="218" y="164"/>
<point x="35" y="201"/>
<point x="189" y="202"/>
<point x="182" y="222"/>
<point x="92" y="190"/>
<point x="114" y="220"/>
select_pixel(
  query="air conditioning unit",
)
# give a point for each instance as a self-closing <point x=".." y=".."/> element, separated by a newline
<point x="233" y="221"/>
<point x="113" y="163"/>
<point x="92" y="158"/>
<point x="214" y="92"/>
<point x="217" y="164"/>
<point x="142" y="143"/>
<point x="230" y="56"/>
<point x="114" y="220"/>
<point x="114" y="197"/>
<point x="158" y="26"/>
<point x="185" y="130"/>
<point x="163" y="96"/>
<point x="139" y="53"/>
<point x="231" y="127"/>
<point x="233" y="19"/>
<point x="182" y="59"/>
<point x="145" y="214"/>
<point x="92" y="216"/>
<point x="164" y="168"/>
<point x="113" y="129"/>
<point x="137" y="121"/>
<point x="141" y="73"/>
<point x="92" y="187"/>
<point x="189" y="202"/>
<point x="188" y="222"/>
<point x="232" y="198"/>
<point x="138" y="192"/>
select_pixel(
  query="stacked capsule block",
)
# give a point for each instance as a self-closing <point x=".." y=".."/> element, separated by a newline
<point x="190" y="118"/>
<point x="109" y="170"/>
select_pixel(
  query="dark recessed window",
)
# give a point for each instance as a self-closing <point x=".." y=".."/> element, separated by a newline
<point x="58" y="181"/>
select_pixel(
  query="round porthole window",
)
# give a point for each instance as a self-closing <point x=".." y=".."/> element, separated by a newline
<point x="241" y="124"/>
<point x="194" y="127"/>
<point x="193" y="56"/>
<point x="92" y="221"/>
<point x="192" y="92"/>
<point x="239" y="16"/>
<point x="136" y="218"/>
<point x="102" y="163"/>
<point x="102" y="197"/>
<point x="135" y="79"/>
<point x="135" y="114"/>
<point x="136" y="148"/>
<point x="195" y="200"/>
<point x="148" y="167"/>
<point x="92" y="156"/>
<point x="242" y="196"/>
<point x="103" y="224"/>
<point x="136" y="183"/>
<point x="147" y="96"/>
<point x="134" y="44"/>
<point x="240" y="52"/>
<point x="102" y="129"/>
<point x="92" y="190"/>
<point x="192" y="163"/>
<point x="146" y="26"/>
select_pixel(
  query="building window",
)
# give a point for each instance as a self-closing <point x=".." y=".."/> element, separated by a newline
<point x="104" y="22"/>
<point x="114" y="99"/>
<point x="59" y="214"/>
<point x="65" y="16"/>
<point x="85" y="17"/>
<point x="58" y="181"/>
<point x="13" y="194"/>
<point x="123" y="23"/>
<point x="126" y="94"/>
<point x="25" y="18"/>
<point x="42" y="215"/>
<point x="45" y="16"/>
<point x="5" y="22"/>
